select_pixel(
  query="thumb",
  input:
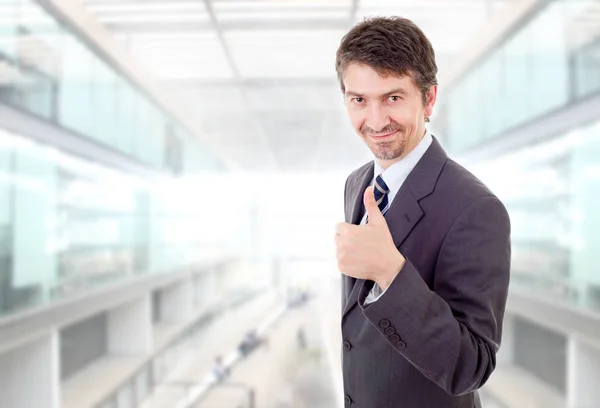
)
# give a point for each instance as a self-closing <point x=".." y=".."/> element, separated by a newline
<point x="373" y="211"/>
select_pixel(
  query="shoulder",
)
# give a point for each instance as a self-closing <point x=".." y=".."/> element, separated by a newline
<point x="458" y="189"/>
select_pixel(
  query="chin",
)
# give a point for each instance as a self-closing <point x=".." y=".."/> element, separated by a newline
<point x="387" y="157"/>
<point x="388" y="153"/>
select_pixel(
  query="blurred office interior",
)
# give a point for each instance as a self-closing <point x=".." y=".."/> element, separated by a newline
<point x="171" y="172"/>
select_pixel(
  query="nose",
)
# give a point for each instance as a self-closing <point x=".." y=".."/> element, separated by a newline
<point x="377" y="117"/>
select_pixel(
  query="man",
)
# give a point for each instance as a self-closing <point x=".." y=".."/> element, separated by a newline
<point x="425" y="250"/>
<point x="220" y="371"/>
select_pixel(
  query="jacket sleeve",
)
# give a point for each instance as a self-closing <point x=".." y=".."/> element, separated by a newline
<point x="451" y="334"/>
<point x="346" y="217"/>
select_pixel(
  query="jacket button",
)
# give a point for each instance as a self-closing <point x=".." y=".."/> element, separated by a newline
<point x="347" y="400"/>
<point x="347" y="346"/>
<point x="384" y="324"/>
<point x="394" y="338"/>
<point x="390" y="330"/>
<point x="401" y="344"/>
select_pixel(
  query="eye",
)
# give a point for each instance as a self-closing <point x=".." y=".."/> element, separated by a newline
<point x="358" y="100"/>
<point x="394" y="98"/>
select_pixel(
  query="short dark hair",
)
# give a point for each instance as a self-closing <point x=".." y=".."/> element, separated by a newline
<point x="391" y="46"/>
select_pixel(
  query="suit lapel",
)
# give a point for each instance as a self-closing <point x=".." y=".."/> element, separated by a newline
<point x="405" y="211"/>
<point x="358" y="192"/>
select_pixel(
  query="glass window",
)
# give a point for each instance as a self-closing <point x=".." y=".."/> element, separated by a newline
<point x="529" y="74"/>
<point x="37" y="54"/>
<point x="8" y="27"/>
<point x="157" y="137"/>
<point x="6" y="227"/>
<point x="584" y="215"/>
<point x="549" y="62"/>
<point x="472" y="97"/>
<point x="492" y="106"/>
<point x="143" y="133"/>
<point x="458" y="118"/>
<point x="127" y="117"/>
<point x="103" y="97"/>
<point x="34" y="222"/>
<point x="515" y="53"/>
<point x="587" y="69"/>
<point x="49" y="71"/>
<point x="551" y="191"/>
<point x="8" y="58"/>
<point x="75" y="94"/>
<point x="65" y="224"/>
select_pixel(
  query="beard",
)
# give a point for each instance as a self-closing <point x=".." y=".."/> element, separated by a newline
<point x="386" y="150"/>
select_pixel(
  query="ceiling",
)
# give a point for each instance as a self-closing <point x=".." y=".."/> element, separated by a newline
<point x="258" y="75"/>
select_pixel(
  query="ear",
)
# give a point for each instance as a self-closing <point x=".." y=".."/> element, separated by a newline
<point x="430" y="98"/>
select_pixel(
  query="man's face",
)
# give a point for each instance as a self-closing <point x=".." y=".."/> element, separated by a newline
<point x="387" y="112"/>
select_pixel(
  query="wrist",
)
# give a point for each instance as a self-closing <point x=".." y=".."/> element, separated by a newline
<point x="386" y="279"/>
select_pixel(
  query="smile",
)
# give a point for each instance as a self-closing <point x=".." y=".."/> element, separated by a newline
<point x="379" y="137"/>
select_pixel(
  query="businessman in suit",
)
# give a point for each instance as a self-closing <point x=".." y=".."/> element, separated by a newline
<point x="425" y="249"/>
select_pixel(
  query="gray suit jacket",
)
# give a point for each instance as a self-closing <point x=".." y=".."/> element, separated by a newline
<point x="430" y="340"/>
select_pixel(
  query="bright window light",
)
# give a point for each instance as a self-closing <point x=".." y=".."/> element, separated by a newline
<point x="167" y="6"/>
<point x="282" y="15"/>
<point x="285" y="54"/>
<point x="155" y="18"/>
<point x="279" y="5"/>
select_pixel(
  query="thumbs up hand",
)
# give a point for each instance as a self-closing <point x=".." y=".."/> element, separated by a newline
<point x="374" y="215"/>
<point x="368" y="251"/>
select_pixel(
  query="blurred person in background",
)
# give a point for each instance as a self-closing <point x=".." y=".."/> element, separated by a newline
<point x="425" y="249"/>
<point x="220" y="372"/>
<point x="252" y="341"/>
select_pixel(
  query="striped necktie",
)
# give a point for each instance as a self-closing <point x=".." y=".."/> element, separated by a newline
<point x="381" y="191"/>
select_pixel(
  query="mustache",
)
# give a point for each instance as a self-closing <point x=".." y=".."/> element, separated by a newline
<point x="393" y="127"/>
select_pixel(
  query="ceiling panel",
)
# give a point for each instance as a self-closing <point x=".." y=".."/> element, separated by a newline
<point x="206" y="99"/>
<point x="272" y="5"/>
<point x="306" y="96"/>
<point x="284" y="54"/>
<point x="436" y="18"/>
<point x="259" y="75"/>
<point x="181" y="56"/>
<point x="106" y="7"/>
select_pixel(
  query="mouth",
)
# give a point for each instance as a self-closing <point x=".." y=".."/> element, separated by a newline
<point x="383" y="137"/>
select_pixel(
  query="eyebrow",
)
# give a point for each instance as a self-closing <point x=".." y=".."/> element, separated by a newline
<point x="400" y="91"/>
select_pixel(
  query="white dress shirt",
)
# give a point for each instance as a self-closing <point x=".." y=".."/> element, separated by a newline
<point x="394" y="176"/>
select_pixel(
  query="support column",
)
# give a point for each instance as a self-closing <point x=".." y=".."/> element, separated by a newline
<point x="211" y="283"/>
<point x="506" y="355"/>
<point x="130" y="328"/>
<point x="30" y="375"/>
<point x="177" y="302"/>
<point x="583" y="371"/>
<point x="204" y="290"/>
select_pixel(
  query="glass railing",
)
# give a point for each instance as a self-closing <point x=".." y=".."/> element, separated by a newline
<point x="69" y="225"/>
<point x="48" y="70"/>
<point x="551" y="191"/>
<point x="550" y="61"/>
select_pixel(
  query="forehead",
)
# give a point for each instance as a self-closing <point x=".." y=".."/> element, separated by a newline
<point x="364" y="80"/>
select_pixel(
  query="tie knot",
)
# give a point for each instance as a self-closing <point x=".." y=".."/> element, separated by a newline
<point x="380" y="185"/>
<point x="380" y="192"/>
